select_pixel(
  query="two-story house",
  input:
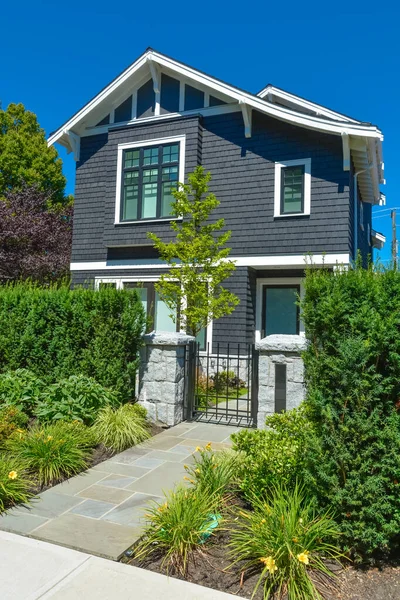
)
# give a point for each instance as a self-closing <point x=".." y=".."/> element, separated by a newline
<point x="294" y="179"/>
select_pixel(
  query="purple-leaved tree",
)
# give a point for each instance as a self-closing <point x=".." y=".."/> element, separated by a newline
<point x="35" y="238"/>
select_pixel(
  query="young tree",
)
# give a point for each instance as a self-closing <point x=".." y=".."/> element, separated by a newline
<point x="35" y="240"/>
<point x="198" y="258"/>
<point x="25" y="158"/>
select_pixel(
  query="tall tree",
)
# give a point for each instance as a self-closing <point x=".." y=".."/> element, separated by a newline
<point x="25" y="158"/>
<point x="35" y="240"/>
<point x="198" y="258"/>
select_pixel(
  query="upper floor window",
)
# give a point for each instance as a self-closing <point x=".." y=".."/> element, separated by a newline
<point x="148" y="173"/>
<point x="292" y="188"/>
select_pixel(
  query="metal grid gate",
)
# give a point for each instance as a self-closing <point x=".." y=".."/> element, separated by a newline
<point x="221" y="387"/>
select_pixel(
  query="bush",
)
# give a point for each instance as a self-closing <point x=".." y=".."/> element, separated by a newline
<point x="178" y="527"/>
<point x="226" y="380"/>
<point x="286" y="542"/>
<point x="51" y="453"/>
<point x="15" y="483"/>
<point x="57" y="332"/>
<point x="11" y="419"/>
<point x="273" y="455"/>
<point x="20" y="388"/>
<point x="353" y="381"/>
<point x="123" y="427"/>
<point x="77" y="398"/>
<point x="214" y="471"/>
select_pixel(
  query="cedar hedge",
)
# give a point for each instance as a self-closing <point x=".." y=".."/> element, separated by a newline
<point x="56" y="332"/>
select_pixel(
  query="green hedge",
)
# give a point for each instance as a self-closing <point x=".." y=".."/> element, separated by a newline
<point x="352" y="321"/>
<point x="56" y="332"/>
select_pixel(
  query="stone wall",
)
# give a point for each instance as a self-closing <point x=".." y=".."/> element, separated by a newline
<point x="162" y="376"/>
<point x="280" y="350"/>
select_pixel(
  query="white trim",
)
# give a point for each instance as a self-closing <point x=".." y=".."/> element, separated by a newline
<point x="246" y="113"/>
<point x="361" y="214"/>
<point x="259" y="299"/>
<point x="181" y="96"/>
<point x="306" y="162"/>
<point x="257" y="262"/>
<point x="279" y="112"/>
<point x="181" y="139"/>
<point x="346" y="151"/>
<point x="134" y="104"/>
<point x="318" y="108"/>
<point x="211" y="111"/>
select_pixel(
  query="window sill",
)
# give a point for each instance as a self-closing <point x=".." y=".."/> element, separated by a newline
<point x="163" y="220"/>
<point x="291" y="215"/>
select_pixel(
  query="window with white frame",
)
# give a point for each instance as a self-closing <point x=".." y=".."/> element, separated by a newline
<point x="148" y="172"/>
<point x="292" y="194"/>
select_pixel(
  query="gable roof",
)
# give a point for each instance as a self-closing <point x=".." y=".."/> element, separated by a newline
<point x="367" y="156"/>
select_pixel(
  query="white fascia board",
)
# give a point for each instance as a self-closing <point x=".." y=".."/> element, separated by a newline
<point x="279" y="112"/>
<point x="322" y="110"/>
<point x="260" y="262"/>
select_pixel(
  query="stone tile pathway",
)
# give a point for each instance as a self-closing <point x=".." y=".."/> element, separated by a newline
<point x="102" y="511"/>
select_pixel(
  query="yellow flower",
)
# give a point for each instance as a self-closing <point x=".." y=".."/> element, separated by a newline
<point x="208" y="446"/>
<point x="49" y="438"/>
<point x="12" y="475"/>
<point x="197" y="471"/>
<point x="198" y="449"/>
<point x="270" y="563"/>
<point x="186" y="467"/>
<point x="263" y="521"/>
<point x="301" y="521"/>
<point x="295" y="540"/>
<point x="303" y="557"/>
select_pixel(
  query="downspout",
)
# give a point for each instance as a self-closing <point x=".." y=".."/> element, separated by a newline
<point x="355" y="196"/>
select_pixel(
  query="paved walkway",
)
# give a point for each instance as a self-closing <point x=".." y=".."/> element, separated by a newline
<point x="31" y="569"/>
<point x="101" y="511"/>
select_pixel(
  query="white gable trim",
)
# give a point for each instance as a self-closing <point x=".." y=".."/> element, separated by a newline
<point x="279" y="112"/>
<point x="307" y="104"/>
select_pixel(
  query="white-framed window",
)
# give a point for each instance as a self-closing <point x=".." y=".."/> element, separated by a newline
<point x="147" y="173"/>
<point x="277" y="311"/>
<point x="292" y="193"/>
<point x="156" y="310"/>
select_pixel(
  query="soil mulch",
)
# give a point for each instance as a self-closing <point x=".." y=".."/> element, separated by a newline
<point x="212" y="568"/>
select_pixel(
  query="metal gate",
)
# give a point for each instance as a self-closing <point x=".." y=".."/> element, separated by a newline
<point x="222" y="386"/>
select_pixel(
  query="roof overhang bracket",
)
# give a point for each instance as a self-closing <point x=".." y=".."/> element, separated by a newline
<point x="156" y="77"/>
<point x="246" y="112"/>
<point x="346" y="151"/>
<point x="74" y="143"/>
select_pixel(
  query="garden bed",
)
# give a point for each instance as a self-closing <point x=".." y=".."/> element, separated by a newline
<point x="212" y="568"/>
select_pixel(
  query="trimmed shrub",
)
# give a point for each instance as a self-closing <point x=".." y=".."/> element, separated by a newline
<point x="352" y="364"/>
<point x="178" y="527"/>
<point x="77" y="398"/>
<point x="51" y="453"/>
<point x="20" y="388"/>
<point x="123" y="427"/>
<point x="273" y="455"/>
<point x="287" y="543"/>
<point x="15" y="483"/>
<point x="57" y="332"/>
<point x="11" y="419"/>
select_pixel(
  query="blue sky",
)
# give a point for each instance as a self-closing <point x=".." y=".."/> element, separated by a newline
<point x="345" y="55"/>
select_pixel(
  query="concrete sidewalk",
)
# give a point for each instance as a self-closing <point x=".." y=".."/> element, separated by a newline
<point x="102" y="511"/>
<point x="31" y="569"/>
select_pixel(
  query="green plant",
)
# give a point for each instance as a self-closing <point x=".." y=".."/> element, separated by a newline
<point x="214" y="471"/>
<point x="203" y="257"/>
<point x="15" y="483"/>
<point x="226" y="381"/>
<point x="50" y="453"/>
<point x="178" y="527"/>
<point x="123" y="427"/>
<point x="287" y="542"/>
<point x="56" y="332"/>
<point x="76" y="398"/>
<point x="20" y="388"/>
<point x="352" y="375"/>
<point x="11" y="419"/>
<point x="273" y="455"/>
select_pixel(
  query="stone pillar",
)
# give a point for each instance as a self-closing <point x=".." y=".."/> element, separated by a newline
<point x="280" y="350"/>
<point x="161" y="376"/>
